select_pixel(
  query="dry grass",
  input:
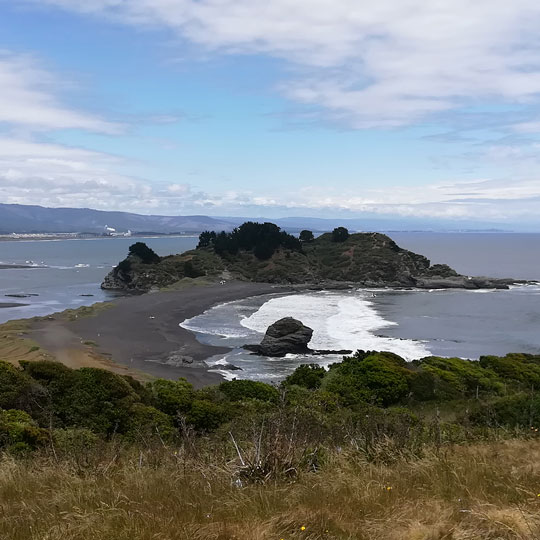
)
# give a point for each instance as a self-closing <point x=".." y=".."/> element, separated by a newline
<point x="487" y="491"/>
<point x="15" y="344"/>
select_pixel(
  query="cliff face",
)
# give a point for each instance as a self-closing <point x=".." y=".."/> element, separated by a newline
<point x="365" y="259"/>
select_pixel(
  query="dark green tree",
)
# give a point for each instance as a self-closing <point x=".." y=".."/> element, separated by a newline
<point x="340" y="234"/>
<point x="146" y="254"/>
<point x="206" y="238"/>
<point x="306" y="236"/>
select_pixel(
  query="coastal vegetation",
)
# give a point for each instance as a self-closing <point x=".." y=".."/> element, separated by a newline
<point x="90" y="453"/>
<point x="262" y="252"/>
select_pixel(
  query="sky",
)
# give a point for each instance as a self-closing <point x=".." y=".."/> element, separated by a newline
<point x="321" y="108"/>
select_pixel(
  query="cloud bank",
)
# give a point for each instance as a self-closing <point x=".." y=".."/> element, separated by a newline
<point x="364" y="65"/>
<point x="376" y="64"/>
<point x="59" y="176"/>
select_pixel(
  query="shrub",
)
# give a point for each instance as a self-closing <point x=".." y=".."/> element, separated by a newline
<point x="522" y="368"/>
<point x="307" y="375"/>
<point x="145" y="421"/>
<point x="519" y="410"/>
<point x="171" y="397"/>
<point x="15" y="387"/>
<point x="241" y="389"/>
<point x="19" y="431"/>
<point x="74" y="441"/>
<point x="376" y="378"/>
<point x="206" y="416"/>
<point x="456" y="377"/>
<point x="98" y="400"/>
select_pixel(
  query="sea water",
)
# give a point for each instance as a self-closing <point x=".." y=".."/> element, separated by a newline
<point x="411" y="323"/>
<point x="63" y="270"/>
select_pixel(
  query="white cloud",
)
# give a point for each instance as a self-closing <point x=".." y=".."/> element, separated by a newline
<point x="60" y="176"/>
<point x="384" y="63"/>
<point x="27" y="99"/>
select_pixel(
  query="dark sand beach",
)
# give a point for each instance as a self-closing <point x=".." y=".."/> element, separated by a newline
<point x="143" y="332"/>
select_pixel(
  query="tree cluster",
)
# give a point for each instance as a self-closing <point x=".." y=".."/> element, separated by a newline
<point x="262" y="239"/>
<point x="146" y="254"/>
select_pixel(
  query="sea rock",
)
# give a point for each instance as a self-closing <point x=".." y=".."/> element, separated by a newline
<point x="286" y="336"/>
<point x="114" y="281"/>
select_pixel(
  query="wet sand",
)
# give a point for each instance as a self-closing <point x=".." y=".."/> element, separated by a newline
<point x="143" y="334"/>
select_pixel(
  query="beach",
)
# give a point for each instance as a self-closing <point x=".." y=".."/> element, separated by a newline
<point x="141" y="334"/>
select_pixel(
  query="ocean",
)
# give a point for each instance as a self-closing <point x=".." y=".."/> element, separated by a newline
<point x="63" y="270"/>
<point x="411" y="323"/>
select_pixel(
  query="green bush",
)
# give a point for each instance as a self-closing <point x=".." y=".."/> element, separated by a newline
<point x="340" y="234"/>
<point x="145" y="421"/>
<point x="376" y="378"/>
<point x="171" y="397"/>
<point x="98" y="400"/>
<point x="74" y="441"/>
<point x="519" y="410"/>
<point x="307" y="375"/>
<point x="456" y="377"/>
<point x="239" y="390"/>
<point x="15" y="387"/>
<point x="206" y="416"/>
<point x="512" y="368"/>
<point x="18" y="428"/>
<point x="306" y="236"/>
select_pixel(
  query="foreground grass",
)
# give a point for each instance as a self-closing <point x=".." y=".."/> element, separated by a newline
<point x="487" y="491"/>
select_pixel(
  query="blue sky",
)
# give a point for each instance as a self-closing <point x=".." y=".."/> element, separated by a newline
<point x="277" y="108"/>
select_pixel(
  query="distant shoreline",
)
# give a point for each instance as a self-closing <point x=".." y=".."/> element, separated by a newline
<point x="59" y="237"/>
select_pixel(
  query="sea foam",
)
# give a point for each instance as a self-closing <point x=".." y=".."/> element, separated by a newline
<point x="339" y="321"/>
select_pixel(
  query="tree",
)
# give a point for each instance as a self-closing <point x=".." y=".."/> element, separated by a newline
<point x="306" y="236"/>
<point x="206" y="238"/>
<point x="340" y="234"/>
<point x="146" y="254"/>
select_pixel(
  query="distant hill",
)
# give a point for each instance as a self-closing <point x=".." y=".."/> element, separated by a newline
<point x="38" y="219"/>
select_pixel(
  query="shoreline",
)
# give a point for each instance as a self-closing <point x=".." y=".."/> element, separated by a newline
<point x="142" y="333"/>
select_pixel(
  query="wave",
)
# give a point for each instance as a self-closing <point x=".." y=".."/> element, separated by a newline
<point x="338" y="322"/>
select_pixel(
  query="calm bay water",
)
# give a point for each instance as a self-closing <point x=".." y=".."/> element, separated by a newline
<point x="411" y="323"/>
<point x="65" y="269"/>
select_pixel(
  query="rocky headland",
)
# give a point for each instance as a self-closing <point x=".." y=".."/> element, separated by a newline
<point x="368" y="260"/>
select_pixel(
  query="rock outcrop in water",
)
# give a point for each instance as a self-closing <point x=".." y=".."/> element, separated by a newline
<point x="287" y="336"/>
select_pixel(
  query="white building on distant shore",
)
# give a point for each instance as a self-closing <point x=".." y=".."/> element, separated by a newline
<point x="110" y="231"/>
